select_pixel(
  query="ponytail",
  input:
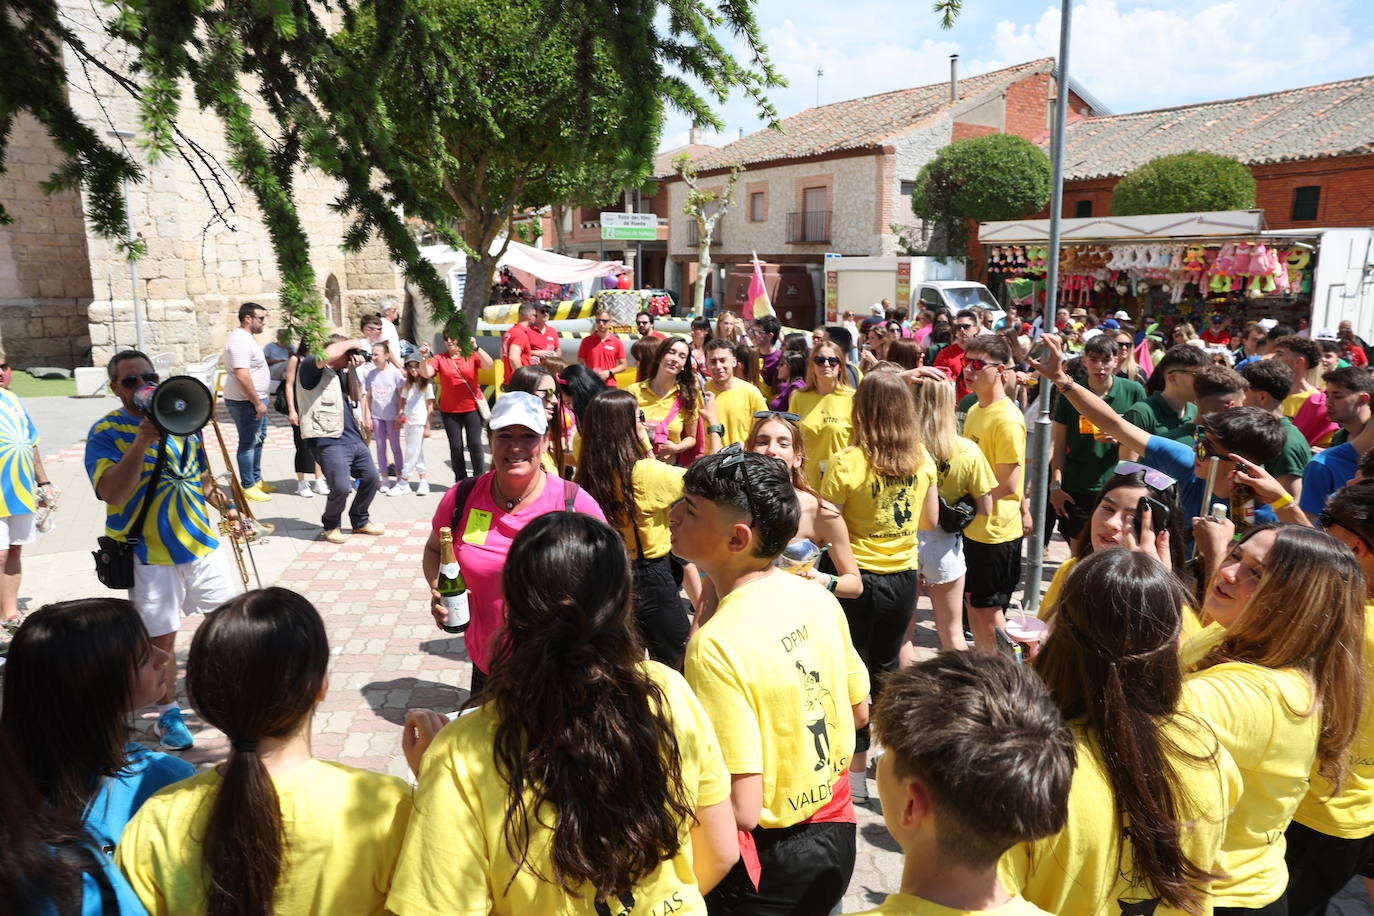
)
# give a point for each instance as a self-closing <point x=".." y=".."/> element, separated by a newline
<point x="255" y="669"/>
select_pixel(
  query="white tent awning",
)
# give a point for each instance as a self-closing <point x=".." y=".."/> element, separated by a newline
<point x="1125" y="228"/>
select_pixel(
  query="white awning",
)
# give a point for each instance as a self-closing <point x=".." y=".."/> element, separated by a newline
<point x="1125" y="228"/>
<point x="549" y="266"/>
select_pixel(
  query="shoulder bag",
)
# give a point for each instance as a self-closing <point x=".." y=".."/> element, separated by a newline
<point x="114" y="560"/>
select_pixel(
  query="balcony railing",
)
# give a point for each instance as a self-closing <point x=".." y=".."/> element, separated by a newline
<point x="694" y="234"/>
<point x="808" y="226"/>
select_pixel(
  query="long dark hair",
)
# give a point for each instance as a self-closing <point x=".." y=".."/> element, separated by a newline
<point x="30" y="829"/>
<point x="686" y="379"/>
<point x="581" y="726"/>
<point x="526" y="379"/>
<point x="78" y="661"/>
<point x="579" y="385"/>
<point x="1112" y="661"/>
<point x="255" y="670"/>
<point x="606" y="466"/>
<point x="1177" y="561"/>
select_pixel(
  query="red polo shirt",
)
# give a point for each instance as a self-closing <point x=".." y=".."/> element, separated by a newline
<point x="601" y="355"/>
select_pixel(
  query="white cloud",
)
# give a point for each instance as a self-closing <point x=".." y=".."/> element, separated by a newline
<point x="1154" y="56"/>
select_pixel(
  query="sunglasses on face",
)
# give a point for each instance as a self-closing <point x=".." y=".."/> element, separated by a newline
<point x="978" y="365"/>
<point x="131" y="381"/>
<point x="964" y="326"/>
<point x="1123" y="346"/>
<point x="826" y="360"/>
<point x="4" y="367"/>
<point x="784" y="414"/>
<point x="1325" y="520"/>
<point x="603" y="321"/>
<point x="1206" y="451"/>
<point x="547" y="395"/>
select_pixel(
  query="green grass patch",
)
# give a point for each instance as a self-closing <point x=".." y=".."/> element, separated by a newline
<point x="26" y="386"/>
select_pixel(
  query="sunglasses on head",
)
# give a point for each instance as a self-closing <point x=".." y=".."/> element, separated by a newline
<point x="733" y="466"/>
<point x="784" y="414"/>
<point x="826" y="360"/>
<point x="1157" y="479"/>
<point x="131" y="381"/>
<point x="978" y="365"/>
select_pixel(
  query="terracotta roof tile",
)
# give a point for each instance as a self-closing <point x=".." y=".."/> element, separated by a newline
<point x="663" y="162"/>
<point x="860" y="123"/>
<point x="1333" y="119"/>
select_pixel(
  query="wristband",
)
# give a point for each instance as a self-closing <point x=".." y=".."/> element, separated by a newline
<point x="717" y="428"/>
<point x="830" y="586"/>
<point x="43" y="483"/>
<point x="1282" y="501"/>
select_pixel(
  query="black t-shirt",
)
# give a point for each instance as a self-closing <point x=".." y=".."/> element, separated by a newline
<point x="309" y="374"/>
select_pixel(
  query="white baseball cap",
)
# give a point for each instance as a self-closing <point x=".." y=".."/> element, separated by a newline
<point x="519" y="408"/>
<point x="1122" y="315"/>
<point x="1266" y="324"/>
<point x="877" y="309"/>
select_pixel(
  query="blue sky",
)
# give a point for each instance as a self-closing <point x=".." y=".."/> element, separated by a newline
<point x="1130" y="54"/>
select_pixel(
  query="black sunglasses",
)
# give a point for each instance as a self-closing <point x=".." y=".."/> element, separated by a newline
<point x="4" y="367"/>
<point x="603" y="321"/>
<point x="964" y="326"/>
<point x="784" y="414"/>
<point x="1326" y="520"/>
<point x="131" y="381"/>
<point x="733" y="466"/>
<point x="826" y="360"/>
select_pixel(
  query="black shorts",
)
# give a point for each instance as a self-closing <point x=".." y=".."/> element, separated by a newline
<point x="804" y="871"/>
<point x="994" y="572"/>
<point x="1319" y="865"/>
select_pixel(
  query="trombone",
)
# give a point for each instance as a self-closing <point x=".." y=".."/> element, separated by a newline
<point x="245" y="530"/>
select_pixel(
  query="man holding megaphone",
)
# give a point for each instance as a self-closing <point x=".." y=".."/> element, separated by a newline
<point x="152" y="442"/>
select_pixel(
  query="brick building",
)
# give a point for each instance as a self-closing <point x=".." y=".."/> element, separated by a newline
<point x="1311" y="151"/>
<point x="839" y="177"/>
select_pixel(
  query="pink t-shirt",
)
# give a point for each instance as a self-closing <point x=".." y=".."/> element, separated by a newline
<point x="482" y="543"/>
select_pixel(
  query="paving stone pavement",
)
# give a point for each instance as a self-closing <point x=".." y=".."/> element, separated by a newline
<point x="387" y="654"/>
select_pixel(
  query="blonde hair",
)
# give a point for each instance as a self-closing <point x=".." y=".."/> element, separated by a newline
<point x="935" y="403"/>
<point x="1128" y="363"/>
<point x="1307" y="613"/>
<point x="813" y="378"/>
<point x="885" y="425"/>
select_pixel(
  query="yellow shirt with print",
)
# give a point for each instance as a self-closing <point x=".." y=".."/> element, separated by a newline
<point x="1077" y="870"/>
<point x="826" y="426"/>
<point x="907" y="905"/>
<point x="735" y="409"/>
<point x="656" y="409"/>
<point x="966" y="472"/>
<point x="1260" y="715"/>
<point x="1348" y="814"/>
<point x="882" y="514"/>
<point x="343" y="827"/>
<point x="657" y="486"/>
<point x="1049" y="606"/>
<point x="455" y="860"/>
<point x="778" y="675"/>
<point x="999" y="431"/>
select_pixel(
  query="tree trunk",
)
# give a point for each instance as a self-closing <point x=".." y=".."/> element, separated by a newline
<point x="477" y="293"/>
<point x="703" y="266"/>
<point x="560" y="242"/>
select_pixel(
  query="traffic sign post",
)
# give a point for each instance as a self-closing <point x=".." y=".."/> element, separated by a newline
<point x="629" y="227"/>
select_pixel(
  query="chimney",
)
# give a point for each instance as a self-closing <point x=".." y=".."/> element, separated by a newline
<point x="694" y="135"/>
<point x="741" y="133"/>
<point x="954" y="77"/>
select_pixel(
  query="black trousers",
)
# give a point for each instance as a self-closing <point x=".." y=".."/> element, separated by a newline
<point x="1320" y="865"/>
<point x="1277" y="908"/>
<point x="877" y="622"/>
<point x="305" y="455"/>
<point x="659" y="614"/>
<point x="805" y="870"/>
<point x="456" y="427"/>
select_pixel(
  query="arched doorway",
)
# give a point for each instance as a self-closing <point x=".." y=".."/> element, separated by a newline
<point x="333" y="302"/>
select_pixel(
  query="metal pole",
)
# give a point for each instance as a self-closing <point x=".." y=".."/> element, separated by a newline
<point x="1040" y="468"/>
<point x="124" y="135"/>
<point x="639" y="247"/>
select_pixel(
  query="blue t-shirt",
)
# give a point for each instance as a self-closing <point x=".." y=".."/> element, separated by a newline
<point x="123" y="794"/>
<point x="1177" y="460"/>
<point x="1327" y="472"/>
<point x="125" y="900"/>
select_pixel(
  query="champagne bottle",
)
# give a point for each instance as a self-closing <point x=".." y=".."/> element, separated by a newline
<point x="452" y="589"/>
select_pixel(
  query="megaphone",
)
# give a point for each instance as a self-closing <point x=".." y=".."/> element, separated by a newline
<point x="179" y="406"/>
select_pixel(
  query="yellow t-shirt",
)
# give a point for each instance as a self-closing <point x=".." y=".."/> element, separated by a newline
<point x="779" y="688"/>
<point x="656" y="409"/>
<point x="343" y="833"/>
<point x="735" y="409"/>
<point x="657" y="487"/>
<point x="881" y="514"/>
<point x="966" y="472"/>
<point x="1049" y="605"/>
<point x="1077" y="870"/>
<point x="826" y="427"/>
<point x="1260" y="716"/>
<point x="999" y="431"/>
<point x="455" y="861"/>
<point x="1350" y="813"/>
<point x="907" y="905"/>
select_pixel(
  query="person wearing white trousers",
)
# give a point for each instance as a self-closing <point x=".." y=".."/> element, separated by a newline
<point x="416" y="412"/>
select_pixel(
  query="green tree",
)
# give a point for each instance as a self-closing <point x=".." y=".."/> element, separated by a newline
<point x="320" y="72"/>
<point x="994" y="177"/>
<point x="707" y="208"/>
<point x="1185" y="183"/>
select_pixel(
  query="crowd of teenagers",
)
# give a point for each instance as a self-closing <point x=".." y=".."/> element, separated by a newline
<point x="691" y="608"/>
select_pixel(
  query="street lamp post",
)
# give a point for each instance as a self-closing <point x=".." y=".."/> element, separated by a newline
<point x="125" y="135"/>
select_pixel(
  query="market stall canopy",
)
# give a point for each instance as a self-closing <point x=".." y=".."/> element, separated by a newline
<point x="549" y="266"/>
<point x="1125" y="228"/>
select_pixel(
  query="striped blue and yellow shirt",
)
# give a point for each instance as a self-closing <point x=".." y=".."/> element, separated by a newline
<point x="178" y="528"/>
<point x="18" y="437"/>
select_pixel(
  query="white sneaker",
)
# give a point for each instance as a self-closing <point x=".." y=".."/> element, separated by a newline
<point x="401" y="488"/>
<point x="321" y="487"/>
<point x="303" y="489"/>
<point x="422" y="489"/>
